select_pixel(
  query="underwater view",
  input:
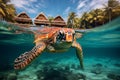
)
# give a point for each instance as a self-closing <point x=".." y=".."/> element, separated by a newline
<point x="59" y="39"/>
<point x="100" y="50"/>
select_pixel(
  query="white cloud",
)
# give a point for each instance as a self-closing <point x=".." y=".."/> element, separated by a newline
<point x="67" y="10"/>
<point x="73" y="1"/>
<point x="33" y="0"/>
<point x="27" y="5"/>
<point x="65" y="19"/>
<point x="30" y="10"/>
<point x="97" y="4"/>
<point x="81" y="4"/>
<point x="20" y="3"/>
<point x="87" y="5"/>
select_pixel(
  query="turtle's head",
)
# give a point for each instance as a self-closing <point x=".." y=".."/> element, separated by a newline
<point x="65" y="35"/>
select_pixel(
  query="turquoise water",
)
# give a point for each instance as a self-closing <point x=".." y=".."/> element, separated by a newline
<point x="102" y="41"/>
<point x="99" y="44"/>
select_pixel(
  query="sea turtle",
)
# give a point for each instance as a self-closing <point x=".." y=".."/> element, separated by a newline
<point x="51" y="39"/>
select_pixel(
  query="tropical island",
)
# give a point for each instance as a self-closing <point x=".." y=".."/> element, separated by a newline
<point x="90" y="19"/>
<point x="30" y="27"/>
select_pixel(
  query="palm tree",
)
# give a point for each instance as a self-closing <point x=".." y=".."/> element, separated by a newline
<point x="11" y="12"/>
<point x="85" y="20"/>
<point x="112" y="4"/>
<point x="71" y="20"/>
<point x="77" y="23"/>
<point x="7" y="11"/>
<point x="6" y="1"/>
<point x="50" y="20"/>
<point x="2" y="13"/>
<point x="116" y="12"/>
<point x="97" y="17"/>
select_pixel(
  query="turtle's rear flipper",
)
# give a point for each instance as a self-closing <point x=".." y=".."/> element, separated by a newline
<point x="24" y="59"/>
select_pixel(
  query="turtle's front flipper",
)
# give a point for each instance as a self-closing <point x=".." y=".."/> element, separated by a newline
<point x="24" y="59"/>
<point x="79" y="53"/>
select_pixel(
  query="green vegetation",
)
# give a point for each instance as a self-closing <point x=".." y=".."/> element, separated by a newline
<point x="50" y="18"/>
<point x="7" y="11"/>
<point x="95" y="17"/>
<point x="90" y="19"/>
<point x="71" y="20"/>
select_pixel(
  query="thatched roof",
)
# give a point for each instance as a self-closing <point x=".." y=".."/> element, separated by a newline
<point x="41" y="19"/>
<point x="58" y="21"/>
<point x="23" y="18"/>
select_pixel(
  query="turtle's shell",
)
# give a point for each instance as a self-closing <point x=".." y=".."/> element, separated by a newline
<point x="48" y="32"/>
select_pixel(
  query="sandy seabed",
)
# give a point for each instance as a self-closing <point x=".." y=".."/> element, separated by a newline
<point x="69" y="69"/>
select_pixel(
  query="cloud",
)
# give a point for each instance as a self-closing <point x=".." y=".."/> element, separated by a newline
<point x="33" y="0"/>
<point x="81" y="4"/>
<point x="97" y="4"/>
<point x="20" y="3"/>
<point x="73" y="1"/>
<point x="67" y="10"/>
<point x="87" y="5"/>
<point x="29" y="6"/>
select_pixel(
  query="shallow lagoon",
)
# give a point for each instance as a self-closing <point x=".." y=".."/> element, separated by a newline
<point x="101" y="57"/>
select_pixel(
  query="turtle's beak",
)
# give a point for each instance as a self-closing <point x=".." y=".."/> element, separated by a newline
<point x="69" y="37"/>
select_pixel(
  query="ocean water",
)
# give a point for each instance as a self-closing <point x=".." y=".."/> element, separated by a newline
<point x="101" y="50"/>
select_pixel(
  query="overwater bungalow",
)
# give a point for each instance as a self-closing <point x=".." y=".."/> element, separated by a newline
<point x="23" y="19"/>
<point x="58" y="22"/>
<point x="41" y="20"/>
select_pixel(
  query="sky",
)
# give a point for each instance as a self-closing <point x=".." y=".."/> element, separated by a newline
<point x="56" y="7"/>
